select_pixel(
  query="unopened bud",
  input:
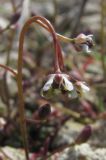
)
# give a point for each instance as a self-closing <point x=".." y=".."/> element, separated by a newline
<point x="84" y="135"/>
<point x="44" y="111"/>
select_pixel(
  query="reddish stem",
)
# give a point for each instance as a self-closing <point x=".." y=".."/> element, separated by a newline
<point x="55" y="40"/>
<point x="58" y="48"/>
<point x="60" y="56"/>
<point x="20" y="64"/>
<point x="9" y="69"/>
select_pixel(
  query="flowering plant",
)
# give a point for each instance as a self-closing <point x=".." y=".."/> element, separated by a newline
<point x="59" y="82"/>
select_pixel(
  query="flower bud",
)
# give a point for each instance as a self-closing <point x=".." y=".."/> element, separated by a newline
<point x="84" y="135"/>
<point x="44" y="111"/>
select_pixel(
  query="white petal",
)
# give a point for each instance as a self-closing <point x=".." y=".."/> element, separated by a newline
<point x="48" y="84"/>
<point x="85" y="48"/>
<point x="83" y="36"/>
<point x="84" y="87"/>
<point x="68" y="84"/>
<point x="89" y="38"/>
<point x="90" y="35"/>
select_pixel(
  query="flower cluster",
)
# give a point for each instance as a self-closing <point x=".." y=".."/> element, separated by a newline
<point x="61" y="83"/>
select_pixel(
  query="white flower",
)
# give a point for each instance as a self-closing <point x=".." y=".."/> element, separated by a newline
<point x="83" y="42"/>
<point x="82" y="38"/>
<point x="59" y="83"/>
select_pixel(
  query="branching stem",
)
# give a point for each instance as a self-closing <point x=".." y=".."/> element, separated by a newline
<point x="58" y="62"/>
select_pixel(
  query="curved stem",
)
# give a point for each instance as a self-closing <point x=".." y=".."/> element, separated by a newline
<point x="59" y="36"/>
<point x="9" y="69"/>
<point x="55" y="40"/>
<point x="20" y="94"/>
<point x="19" y="76"/>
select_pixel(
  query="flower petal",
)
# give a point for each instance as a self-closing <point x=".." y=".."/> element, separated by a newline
<point x="89" y="37"/>
<point x="84" y="87"/>
<point x="68" y="85"/>
<point x="81" y="38"/>
<point x="48" y="84"/>
<point x="85" y="48"/>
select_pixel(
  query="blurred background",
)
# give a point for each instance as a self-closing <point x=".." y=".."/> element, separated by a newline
<point x="62" y="119"/>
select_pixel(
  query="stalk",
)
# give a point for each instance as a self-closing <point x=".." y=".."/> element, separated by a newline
<point x="9" y="69"/>
<point x="58" y="52"/>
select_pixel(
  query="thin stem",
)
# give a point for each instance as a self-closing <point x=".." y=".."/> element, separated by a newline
<point x="65" y="39"/>
<point x="60" y="37"/>
<point x="52" y="31"/>
<point x="9" y="69"/>
<point x="21" y="97"/>
<point x="19" y="76"/>
<point x="58" y="48"/>
<point x="60" y="56"/>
